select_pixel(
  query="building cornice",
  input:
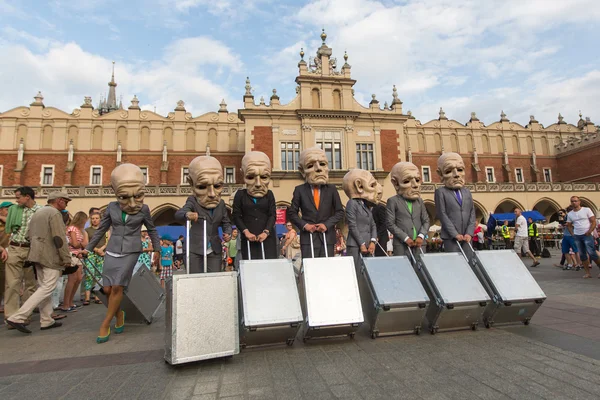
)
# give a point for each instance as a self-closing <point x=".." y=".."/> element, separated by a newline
<point x="320" y="113"/>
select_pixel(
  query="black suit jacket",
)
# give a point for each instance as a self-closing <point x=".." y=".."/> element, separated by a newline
<point x="330" y="211"/>
<point x="256" y="217"/>
<point x="218" y="217"/>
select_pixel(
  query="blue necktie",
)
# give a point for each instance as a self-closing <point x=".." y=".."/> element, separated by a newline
<point x="458" y="197"/>
<point x="254" y="200"/>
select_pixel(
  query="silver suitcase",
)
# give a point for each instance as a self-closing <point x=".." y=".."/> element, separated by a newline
<point x="202" y="314"/>
<point x="271" y="312"/>
<point x="394" y="301"/>
<point x="457" y="297"/>
<point x="141" y="299"/>
<point x="331" y="295"/>
<point x="515" y="294"/>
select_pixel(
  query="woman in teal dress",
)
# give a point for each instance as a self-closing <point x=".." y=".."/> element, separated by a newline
<point x="97" y="259"/>
<point x="145" y="258"/>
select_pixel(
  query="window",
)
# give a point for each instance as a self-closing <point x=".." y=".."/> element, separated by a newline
<point x="489" y="174"/>
<point x="364" y="156"/>
<point x="547" y="175"/>
<point x="146" y="176"/>
<point x="96" y="175"/>
<point x="47" y="175"/>
<point x="519" y="175"/>
<point x="229" y="175"/>
<point x="290" y="154"/>
<point x="331" y="144"/>
<point x="185" y="172"/>
<point x="426" y="172"/>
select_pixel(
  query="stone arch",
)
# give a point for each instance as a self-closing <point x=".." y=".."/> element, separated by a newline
<point x="190" y="139"/>
<point x="516" y="148"/>
<point x="122" y="136"/>
<point x="486" y="144"/>
<point x="47" y="137"/>
<point x="97" y="134"/>
<point x="529" y="145"/>
<point x="233" y="139"/>
<point x="585" y="202"/>
<point x="168" y="137"/>
<point x="421" y="142"/>
<point x="72" y="134"/>
<point x="545" y="146"/>
<point x="212" y="139"/>
<point x="337" y="99"/>
<point x="548" y="208"/>
<point x="454" y="143"/>
<point x="437" y="140"/>
<point x="481" y="214"/>
<point x="500" y="144"/>
<point x="316" y="98"/>
<point x="507" y="205"/>
<point x="164" y="215"/>
<point x="430" y="206"/>
<point x="145" y="138"/>
<point x="470" y="143"/>
<point x="21" y="134"/>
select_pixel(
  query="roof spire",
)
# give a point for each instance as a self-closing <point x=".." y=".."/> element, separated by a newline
<point x="111" y="101"/>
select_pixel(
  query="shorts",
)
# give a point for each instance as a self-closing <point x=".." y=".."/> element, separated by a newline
<point x="178" y="257"/>
<point x="521" y="242"/>
<point x="586" y="247"/>
<point x="568" y="243"/>
<point x="166" y="272"/>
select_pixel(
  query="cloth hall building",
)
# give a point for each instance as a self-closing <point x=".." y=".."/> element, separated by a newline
<point x="509" y="164"/>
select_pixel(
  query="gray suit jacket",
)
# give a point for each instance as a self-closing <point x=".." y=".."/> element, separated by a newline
<point x="218" y="217"/>
<point x="401" y="222"/>
<point x="126" y="237"/>
<point x="455" y="219"/>
<point x="361" y="225"/>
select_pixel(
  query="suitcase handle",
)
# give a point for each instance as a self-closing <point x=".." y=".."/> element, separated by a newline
<point x="262" y="245"/>
<point x="312" y="245"/>
<point x="382" y="249"/>
<point x="188" y="225"/>
<point x="478" y="271"/>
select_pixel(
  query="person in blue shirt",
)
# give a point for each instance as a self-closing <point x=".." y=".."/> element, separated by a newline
<point x="166" y="261"/>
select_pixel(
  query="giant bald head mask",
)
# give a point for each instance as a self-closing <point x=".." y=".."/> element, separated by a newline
<point x="256" y="168"/>
<point x="406" y="179"/>
<point x="127" y="180"/>
<point x="361" y="184"/>
<point x="451" y="169"/>
<point x="314" y="166"/>
<point x="206" y="179"/>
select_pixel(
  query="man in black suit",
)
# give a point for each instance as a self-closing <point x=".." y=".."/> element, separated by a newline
<point x="318" y="202"/>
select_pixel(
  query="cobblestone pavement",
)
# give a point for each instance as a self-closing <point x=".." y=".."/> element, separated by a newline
<point x="556" y="357"/>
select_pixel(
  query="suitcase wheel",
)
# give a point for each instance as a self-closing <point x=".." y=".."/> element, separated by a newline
<point x="474" y="327"/>
<point x="488" y="324"/>
<point x="417" y="330"/>
<point x="351" y="335"/>
<point x="526" y="322"/>
<point x="374" y="334"/>
<point x="433" y="330"/>
<point x="289" y="342"/>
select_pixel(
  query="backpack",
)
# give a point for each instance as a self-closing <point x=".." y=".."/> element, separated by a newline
<point x="545" y="253"/>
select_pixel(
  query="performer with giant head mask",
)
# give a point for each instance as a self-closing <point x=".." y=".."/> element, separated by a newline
<point x="407" y="215"/>
<point x="318" y="202"/>
<point x="254" y="209"/>
<point x="126" y="217"/>
<point x="454" y="203"/>
<point x="363" y="192"/>
<point x="206" y="179"/>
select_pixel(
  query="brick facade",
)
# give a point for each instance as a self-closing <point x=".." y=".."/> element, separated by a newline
<point x="389" y="148"/>
<point x="263" y="140"/>
<point x="580" y="165"/>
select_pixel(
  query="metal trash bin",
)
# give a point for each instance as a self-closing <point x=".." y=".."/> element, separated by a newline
<point x="457" y="297"/>
<point x="270" y="304"/>
<point x="395" y="302"/>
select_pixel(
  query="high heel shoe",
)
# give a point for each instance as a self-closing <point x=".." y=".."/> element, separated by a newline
<point x="121" y="329"/>
<point x="103" y="339"/>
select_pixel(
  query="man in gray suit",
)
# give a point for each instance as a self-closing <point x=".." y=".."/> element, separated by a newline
<point x="407" y="217"/>
<point x="206" y="179"/>
<point x="364" y="191"/>
<point x="454" y="203"/>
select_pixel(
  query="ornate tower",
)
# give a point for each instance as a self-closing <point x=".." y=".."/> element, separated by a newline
<point x="110" y="103"/>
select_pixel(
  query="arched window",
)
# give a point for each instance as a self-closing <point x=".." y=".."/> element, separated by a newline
<point x="190" y="139"/>
<point x="21" y="134"/>
<point x="212" y="139"/>
<point x="470" y="143"/>
<point x="47" y="136"/>
<point x="233" y="139"/>
<point x="337" y="100"/>
<point x="421" y="142"/>
<point x="529" y="145"/>
<point x="454" y="143"/>
<point x="545" y="147"/>
<point x="72" y="135"/>
<point x="145" y="139"/>
<point x="122" y="137"/>
<point x="316" y="98"/>
<point x="515" y="145"/>
<point x="437" y="140"/>
<point x="500" y="144"/>
<point x="485" y="140"/>
<point x="97" y="138"/>
<point x="168" y="137"/>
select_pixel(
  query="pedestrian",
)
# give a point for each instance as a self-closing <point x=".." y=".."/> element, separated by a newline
<point x="533" y="234"/>
<point x="17" y="275"/>
<point x="231" y="247"/>
<point x="166" y="262"/>
<point x="506" y="234"/>
<point x="179" y="252"/>
<point x="50" y="255"/>
<point x="96" y="257"/>
<point x="581" y="221"/>
<point x="521" y="242"/>
<point x="4" y="239"/>
<point x="77" y="238"/>
<point x="478" y="239"/>
<point x="146" y="257"/>
<point x="287" y="250"/>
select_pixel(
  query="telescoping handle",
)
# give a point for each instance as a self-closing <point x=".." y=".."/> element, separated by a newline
<point x="463" y="252"/>
<point x="382" y="249"/>
<point x="262" y="246"/>
<point x="312" y="245"/>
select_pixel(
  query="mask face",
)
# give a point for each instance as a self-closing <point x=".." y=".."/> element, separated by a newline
<point x="371" y="190"/>
<point x="407" y="183"/>
<point x="453" y="172"/>
<point x="315" y="168"/>
<point x="257" y="177"/>
<point x="130" y="196"/>
<point x="207" y="184"/>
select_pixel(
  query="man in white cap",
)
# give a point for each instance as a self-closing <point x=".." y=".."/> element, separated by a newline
<point x="50" y="255"/>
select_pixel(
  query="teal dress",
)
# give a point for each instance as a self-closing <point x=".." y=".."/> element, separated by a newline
<point x="144" y="258"/>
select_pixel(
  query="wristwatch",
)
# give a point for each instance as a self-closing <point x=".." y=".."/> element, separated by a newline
<point x="267" y="232"/>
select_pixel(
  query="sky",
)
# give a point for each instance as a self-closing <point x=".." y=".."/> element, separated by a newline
<point x="525" y="57"/>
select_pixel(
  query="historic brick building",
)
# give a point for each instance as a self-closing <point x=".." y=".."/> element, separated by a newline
<point x="509" y="164"/>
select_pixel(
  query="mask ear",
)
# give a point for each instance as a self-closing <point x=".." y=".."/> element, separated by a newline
<point x="189" y="181"/>
<point x="439" y="172"/>
<point x="301" y="169"/>
<point x="395" y="183"/>
<point x="358" y="185"/>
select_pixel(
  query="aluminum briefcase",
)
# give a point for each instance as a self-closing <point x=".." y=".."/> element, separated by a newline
<point x="395" y="301"/>
<point x="141" y="299"/>
<point x="331" y="295"/>
<point x="201" y="315"/>
<point x="457" y="297"/>
<point x="271" y="312"/>
<point x="515" y="294"/>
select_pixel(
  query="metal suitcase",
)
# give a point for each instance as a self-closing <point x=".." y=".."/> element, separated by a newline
<point x="141" y="299"/>
<point x="457" y="297"/>
<point x="270" y="304"/>
<point x="516" y="296"/>
<point x="394" y="301"/>
<point x="332" y="299"/>
<point x="202" y="314"/>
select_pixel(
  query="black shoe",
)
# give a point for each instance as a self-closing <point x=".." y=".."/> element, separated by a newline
<point x="56" y="324"/>
<point x="18" y="326"/>
<point x="535" y="264"/>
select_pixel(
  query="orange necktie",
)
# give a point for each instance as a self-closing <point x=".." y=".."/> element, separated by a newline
<point x="316" y="196"/>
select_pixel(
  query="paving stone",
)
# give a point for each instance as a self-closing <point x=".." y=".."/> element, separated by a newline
<point x="212" y="396"/>
<point x="231" y="389"/>
<point x="206" y="387"/>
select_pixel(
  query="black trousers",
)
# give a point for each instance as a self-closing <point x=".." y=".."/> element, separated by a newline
<point x="533" y="246"/>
